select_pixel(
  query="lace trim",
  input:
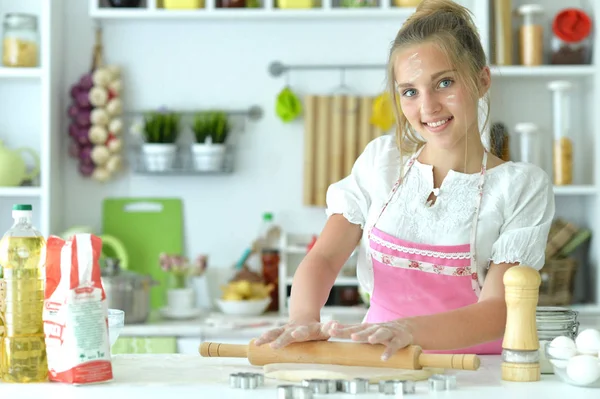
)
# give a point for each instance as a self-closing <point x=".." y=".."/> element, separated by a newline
<point x="427" y="267"/>
<point x="423" y="252"/>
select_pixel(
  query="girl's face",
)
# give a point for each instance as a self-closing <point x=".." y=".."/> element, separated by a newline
<point x="434" y="101"/>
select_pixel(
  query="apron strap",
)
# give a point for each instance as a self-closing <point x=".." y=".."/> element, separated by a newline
<point x="474" y="274"/>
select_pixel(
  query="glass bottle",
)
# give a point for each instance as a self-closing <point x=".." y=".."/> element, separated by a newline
<point x="23" y="257"/>
<point x="20" y="41"/>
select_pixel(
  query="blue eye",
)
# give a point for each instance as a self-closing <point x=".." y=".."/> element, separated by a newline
<point x="406" y="93"/>
<point x="447" y="81"/>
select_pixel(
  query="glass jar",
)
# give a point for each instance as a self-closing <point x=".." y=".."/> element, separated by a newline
<point x="571" y="43"/>
<point x="20" y="40"/>
<point x="530" y="146"/>
<point x="563" y="144"/>
<point x="270" y="271"/>
<point x="554" y="322"/>
<point x="531" y="35"/>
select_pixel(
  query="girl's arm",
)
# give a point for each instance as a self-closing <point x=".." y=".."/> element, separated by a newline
<point x="471" y="325"/>
<point x="319" y="268"/>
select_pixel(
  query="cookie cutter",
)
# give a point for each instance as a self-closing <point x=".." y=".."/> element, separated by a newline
<point x="321" y="385"/>
<point x="440" y="382"/>
<point x="396" y="387"/>
<point x="355" y="386"/>
<point x="246" y="380"/>
<point x="294" y="392"/>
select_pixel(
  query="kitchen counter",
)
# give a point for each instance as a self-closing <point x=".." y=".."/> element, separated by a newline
<point x="183" y="376"/>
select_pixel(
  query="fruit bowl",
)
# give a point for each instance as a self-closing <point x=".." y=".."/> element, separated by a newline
<point x="574" y="368"/>
<point x="244" y="307"/>
<point x="116" y="321"/>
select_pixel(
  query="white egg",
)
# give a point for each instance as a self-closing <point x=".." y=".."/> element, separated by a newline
<point x="588" y="342"/>
<point x="583" y="369"/>
<point x="562" y="348"/>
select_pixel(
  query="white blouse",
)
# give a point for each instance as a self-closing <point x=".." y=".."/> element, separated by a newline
<point x="516" y="212"/>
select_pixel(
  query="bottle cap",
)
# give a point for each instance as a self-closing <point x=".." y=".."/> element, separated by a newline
<point x="22" y="207"/>
<point x="572" y="25"/>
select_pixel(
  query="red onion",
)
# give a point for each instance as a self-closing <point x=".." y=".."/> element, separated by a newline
<point x="75" y="90"/>
<point x="83" y="100"/>
<point x="84" y="118"/>
<point x="83" y="137"/>
<point x="74" y="149"/>
<point x="86" y="82"/>
<point x="85" y="155"/>
<point x="86" y="169"/>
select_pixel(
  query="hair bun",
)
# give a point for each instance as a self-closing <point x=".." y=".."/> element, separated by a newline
<point x="428" y="8"/>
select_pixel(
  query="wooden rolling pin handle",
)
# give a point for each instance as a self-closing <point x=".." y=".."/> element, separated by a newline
<point x="449" y="361"/>
<point x="213" y="349"/>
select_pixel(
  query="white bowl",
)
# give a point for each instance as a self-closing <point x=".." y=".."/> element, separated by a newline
<point x="254" y="307"/>
<point x="116" y="321"/>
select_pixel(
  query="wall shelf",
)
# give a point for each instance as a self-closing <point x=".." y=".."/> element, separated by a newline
<point x="8" y="73"/>
<point x="14" y="192"/>
<point x="543" y="71"/>
<point x="100" y="11"/>
<point x="576" y="190"/>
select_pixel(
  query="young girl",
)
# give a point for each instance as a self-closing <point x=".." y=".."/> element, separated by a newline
<point x="438" y="218"/>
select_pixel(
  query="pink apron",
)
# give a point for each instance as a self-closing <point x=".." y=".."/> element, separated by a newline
<point x="411" y="279"/>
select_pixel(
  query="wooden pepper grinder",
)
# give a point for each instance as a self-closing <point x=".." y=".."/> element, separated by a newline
<point x="520" y="355"/>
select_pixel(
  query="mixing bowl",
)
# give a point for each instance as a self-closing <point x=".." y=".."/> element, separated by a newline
<point x="116" y="321"/>
<point x="583" y="377"/>
<point x="251" y="307"/>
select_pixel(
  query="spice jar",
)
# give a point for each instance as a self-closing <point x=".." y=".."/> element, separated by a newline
<point x="553" y="322"/>
<point x="531" y="35"/>
<point x="563" y="144"/>
<point x="20" y="41"/>
<point x="571" y="43"/>
<point x="530" y="148"/>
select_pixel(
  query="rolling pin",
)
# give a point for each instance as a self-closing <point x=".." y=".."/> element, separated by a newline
<point x="340" y="353"/>
<point x="520" y="346"/>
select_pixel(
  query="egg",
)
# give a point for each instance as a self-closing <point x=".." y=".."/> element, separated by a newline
<point x="583" y="369"/>
<point x="562" y="348"/>
<point x="588" y="342"/>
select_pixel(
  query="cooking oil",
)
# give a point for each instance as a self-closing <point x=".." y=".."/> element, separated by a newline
<point x="22" y="258"/>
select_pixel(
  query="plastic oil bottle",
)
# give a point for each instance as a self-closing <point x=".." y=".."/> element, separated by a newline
<point x="22" y="258"/>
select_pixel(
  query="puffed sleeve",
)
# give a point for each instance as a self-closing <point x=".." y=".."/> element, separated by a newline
<point x="528" y="214"/>
<point x="350" y="196"/>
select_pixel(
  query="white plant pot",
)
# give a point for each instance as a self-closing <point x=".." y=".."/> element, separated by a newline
<point x="208" y="157"/>
<point x="180" y="298"/>
<point x="159" y="157"/>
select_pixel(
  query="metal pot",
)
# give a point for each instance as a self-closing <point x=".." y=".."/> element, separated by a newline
<point x="128" y="291"/>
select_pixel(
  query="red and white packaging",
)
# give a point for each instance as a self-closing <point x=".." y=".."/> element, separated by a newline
<point x="75" y="312"/>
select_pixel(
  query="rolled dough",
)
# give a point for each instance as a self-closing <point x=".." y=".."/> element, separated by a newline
<point x="296" y="372"/>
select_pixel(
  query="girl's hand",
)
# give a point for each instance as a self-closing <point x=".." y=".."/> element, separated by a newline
<point x="295" y="332"/>
<point x="394" y="335"/>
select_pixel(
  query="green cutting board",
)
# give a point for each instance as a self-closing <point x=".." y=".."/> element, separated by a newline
<point x="146" y="227"/>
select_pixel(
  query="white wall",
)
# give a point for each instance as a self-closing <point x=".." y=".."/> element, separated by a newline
<point x="222" y="64"/>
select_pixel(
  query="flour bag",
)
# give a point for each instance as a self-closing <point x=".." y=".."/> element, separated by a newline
<point x="75" y="312"/>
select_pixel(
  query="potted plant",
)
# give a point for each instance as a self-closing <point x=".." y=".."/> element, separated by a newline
<point x="180" y="296"/>
<point x="161" y="130"/>
<point x="211" y="130"/>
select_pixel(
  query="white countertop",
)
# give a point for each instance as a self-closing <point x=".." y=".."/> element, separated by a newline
<point x="181" y="377"/>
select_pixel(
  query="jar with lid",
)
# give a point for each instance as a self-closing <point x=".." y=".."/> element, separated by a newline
<point x="563" y="144"/>
<point x="531" y="35"/>
<point x="571" y="42"/>
<point x="530" y="146"/>
<point x="20" y="40"/>
<point x="553" y="322"/>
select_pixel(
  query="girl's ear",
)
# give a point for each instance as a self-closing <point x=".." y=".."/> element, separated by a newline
<point x="485" y="81"/>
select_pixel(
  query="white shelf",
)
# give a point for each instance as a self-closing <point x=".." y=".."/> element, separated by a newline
<point x="542" y="71"/>
<point x="6" y="192"/>
<point x="576" y="190"/>
<point x="20" y="73"/>
<point x="249" y="13"/>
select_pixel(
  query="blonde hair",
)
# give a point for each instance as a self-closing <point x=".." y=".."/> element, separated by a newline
<point x="451" y="27"/>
